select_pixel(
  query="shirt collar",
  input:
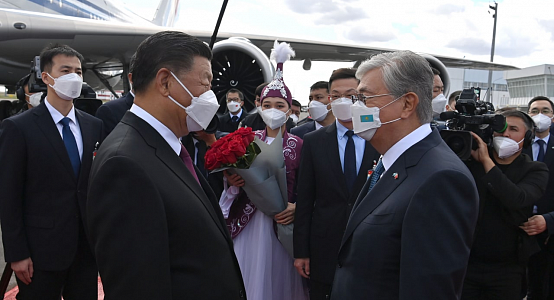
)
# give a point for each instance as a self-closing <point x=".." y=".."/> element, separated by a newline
<point x="317" y="125"/>
<point x="57" y="116"/>
<point x="341" y="129"/>
<point x="404" y="144"/>
<point x="545" y="139"/>
<point x="237" y="115"/>
<point x="165" y="132"/>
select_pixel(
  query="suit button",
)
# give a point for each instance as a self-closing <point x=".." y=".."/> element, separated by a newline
<point x="241" y="294"/>
<point x="339" y="265"/>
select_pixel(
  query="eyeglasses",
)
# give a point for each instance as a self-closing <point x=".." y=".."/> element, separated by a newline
<point x="364" y="98"/>
<point x="233" y="99"/>
<point x="348" y="95"/>
<point x="545" y="111"/>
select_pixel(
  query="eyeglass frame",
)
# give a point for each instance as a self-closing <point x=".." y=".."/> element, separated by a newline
<point x="536" y="111"/>
<point x="363" y="98"/>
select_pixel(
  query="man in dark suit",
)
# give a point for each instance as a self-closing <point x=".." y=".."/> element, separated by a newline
<point x="320" y="110"/>
<point x="230" y="121"/>
<point x="112" y="112"/>
<point x="155" y="225"/>
<point x="324" y="205"/>
<point x="410" y="231"/>
<point x="46" y="154"/>
<point x="540" y="273"/>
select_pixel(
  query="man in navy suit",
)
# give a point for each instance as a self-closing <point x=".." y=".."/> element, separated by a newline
<point x="540" y="273"/>
<point x="230" y="121"/>
<point x="320" y="112"/>
<point x="410" y="231"/>
<point x="46" y="155"/>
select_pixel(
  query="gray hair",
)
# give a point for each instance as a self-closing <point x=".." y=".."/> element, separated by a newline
<point x="403" y="72"/>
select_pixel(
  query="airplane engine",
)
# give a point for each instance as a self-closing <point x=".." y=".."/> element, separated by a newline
<point x="437" y="64"/>
<point x="237" y="63"/>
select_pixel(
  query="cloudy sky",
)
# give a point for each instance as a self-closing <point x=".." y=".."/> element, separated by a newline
<point x="456" y="28"/>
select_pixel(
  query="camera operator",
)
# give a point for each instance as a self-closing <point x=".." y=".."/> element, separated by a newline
<point x="509" y="183"/>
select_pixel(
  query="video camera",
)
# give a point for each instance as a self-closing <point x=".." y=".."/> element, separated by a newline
<point x="472" y="115"/>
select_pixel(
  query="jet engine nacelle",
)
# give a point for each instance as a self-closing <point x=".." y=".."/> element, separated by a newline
<point x="437" y="64"/>
<point x="237" y="63"/>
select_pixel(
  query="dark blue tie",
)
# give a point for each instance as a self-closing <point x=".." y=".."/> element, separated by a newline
<point x="377" y="171"/>
<point x="71" y="146"/>
<point x="350" y="160"/>
<point x="235" y="119"/>
<point x="540" y="156"/>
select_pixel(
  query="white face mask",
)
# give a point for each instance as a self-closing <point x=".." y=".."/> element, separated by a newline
<point x="259" y="110"/>
<point x="439" y="105"/>
<point x="201" y="109"/>
<point x="366" y="119"/>
<point x="68" y="86"/>
<point x="294" y="118"/>
<point x="274" y="118"/>
<point x="543" y="122"/>
<point x="34" y="99"/>
<point x="505" y="147"/>
<point x="342" y="109"/>
<point x="233" y="106"/>
<point x="318" y="111"/>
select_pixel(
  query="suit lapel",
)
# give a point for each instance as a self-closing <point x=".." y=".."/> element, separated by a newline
<point x="173" y="162"/>
<point x="45" y="123"/>
<point x="367" y="164"/>
<point x="86" y="133"/>
<point x="549" y="155"/>
<point x="334" y="157"/>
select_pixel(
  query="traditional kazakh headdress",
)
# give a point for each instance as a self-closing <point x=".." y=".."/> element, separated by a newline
<point x="281" y="52"/>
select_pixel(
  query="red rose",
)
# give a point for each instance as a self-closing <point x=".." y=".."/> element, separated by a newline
<point x="210" y="161"/>
<point x="228" y="156"/>
<point x="237" y="147"/>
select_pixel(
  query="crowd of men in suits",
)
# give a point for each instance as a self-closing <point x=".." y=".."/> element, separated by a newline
<point x="385" y="209"/>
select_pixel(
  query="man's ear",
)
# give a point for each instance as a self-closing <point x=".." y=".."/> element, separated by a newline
<point x="162" y="82"/>
<point x="411" y="100"/>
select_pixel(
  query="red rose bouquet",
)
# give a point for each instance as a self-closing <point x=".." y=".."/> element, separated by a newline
<point x="235" y="150"/>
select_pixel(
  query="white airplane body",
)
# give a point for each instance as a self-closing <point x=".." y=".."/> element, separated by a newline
<point x="107" y="35"/>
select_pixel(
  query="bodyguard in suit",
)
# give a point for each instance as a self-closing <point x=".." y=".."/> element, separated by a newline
<point x="540" y="273"/>
<point x="324" y="204"/>
<point x="319" y="110"/>
<point x="112" y="112"/>
<point x="46" y="155"/>
<point x="155" y="224"/>
<point x="229" y="122"/>
<point x="410" y="231"/>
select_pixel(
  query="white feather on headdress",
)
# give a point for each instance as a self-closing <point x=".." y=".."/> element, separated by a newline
<point x="281" y="52"/>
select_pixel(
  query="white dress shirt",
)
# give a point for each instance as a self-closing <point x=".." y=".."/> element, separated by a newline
<point x="359" y="144"/>
<point x="73" y="125"/>
<point x="165" y="132"/>
<point x="404" y="144"/>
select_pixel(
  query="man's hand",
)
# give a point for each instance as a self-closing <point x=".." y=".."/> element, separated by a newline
<point x="23" y="269"/>
<point x="302" y="265"/>
<point x="233" y="179"/>
<point x="286" y="216"/>
<point x="534" y="225"/>
<point x="482" y="153"/>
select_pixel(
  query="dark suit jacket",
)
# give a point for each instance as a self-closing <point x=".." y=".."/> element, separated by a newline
<point x="324" y="203"/>
<point x="112" y="112"/>
<point x="226" y="124"/>
<point x="156" y="233"/>
<point x="301" y="130"/>
<point x="42" y="203"/>
<point x="214" y="179"/>
<point x="409" y="238"/>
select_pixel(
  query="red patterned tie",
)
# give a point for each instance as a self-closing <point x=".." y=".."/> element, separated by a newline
<point x="188" y="162"/>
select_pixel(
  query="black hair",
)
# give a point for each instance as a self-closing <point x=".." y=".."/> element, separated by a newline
<point x="260" y="88"/>
<point x="320" y="85"/>
<point x="342" y="73"/>
<point x="237" y="91"/>
<point x="173" y="50"/>
<point x="49" y="52"/>
<point x="454" y="97"/>
<point x="435" y="71"/>
<point x="529" y="123"/>
<point x="538" y="98"/>
<point x="296" y="103"/>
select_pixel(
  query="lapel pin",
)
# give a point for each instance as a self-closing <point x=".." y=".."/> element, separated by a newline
<point x="395" y="175"/>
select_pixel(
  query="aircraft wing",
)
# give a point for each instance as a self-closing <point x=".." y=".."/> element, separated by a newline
<point x="109" y="45"/>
